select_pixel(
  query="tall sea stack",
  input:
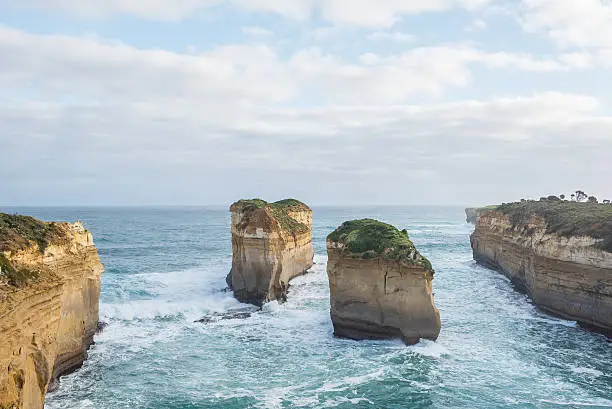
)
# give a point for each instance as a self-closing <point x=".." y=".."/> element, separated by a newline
<point x="272" y="244"/>
<point x="49" y="292"/>
<point x="380" y="285"/>
<point x="559" y="253"/>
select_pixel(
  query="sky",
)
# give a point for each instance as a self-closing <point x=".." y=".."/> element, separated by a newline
<point x="333" y="102"/>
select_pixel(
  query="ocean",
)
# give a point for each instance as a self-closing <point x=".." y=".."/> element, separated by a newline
<point x="166" y="268"/>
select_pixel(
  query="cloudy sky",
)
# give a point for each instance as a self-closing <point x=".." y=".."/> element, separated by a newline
<point x="122" y="102"/>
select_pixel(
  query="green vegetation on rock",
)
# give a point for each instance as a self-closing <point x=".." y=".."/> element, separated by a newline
<point x="373" y="238"/>
<point x="280" y="212"/>
<point x="17" y="277"/>
<point x="258" y="203"/>
<point x="565" y="218"/>
<point x="18" y="232"/>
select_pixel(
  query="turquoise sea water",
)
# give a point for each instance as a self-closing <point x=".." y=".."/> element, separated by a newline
<point x="165" y="268"/>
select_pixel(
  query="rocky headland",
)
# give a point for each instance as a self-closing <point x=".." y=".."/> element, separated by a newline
<point x="380" y="285"/>
<point x="272" y="244"/>
<point x="49" y="291"/>
<point x="559" y="253"/>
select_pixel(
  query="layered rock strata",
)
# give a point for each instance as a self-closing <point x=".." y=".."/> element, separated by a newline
<point x="272" y="244"/>
<point x="565" y="273"/>
<point x="380" y="285"/>
<point x="49" y="291"/>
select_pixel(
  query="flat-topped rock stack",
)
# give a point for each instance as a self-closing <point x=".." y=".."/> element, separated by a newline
<point x="380" y="285"/>
<point x="272" y="244"/>
<point x="49" y="292"/>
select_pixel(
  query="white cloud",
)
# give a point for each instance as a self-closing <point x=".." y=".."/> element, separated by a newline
<point x="391" y="36"/>
<point x="257" y="31"/>
<point x="295" y="9"/>
<point x="477" y="25"/>
<point x="102" y="152"/>
<point x="92" y="69"/>
<point x="365" y="13"/>
<point x="147" y="9"/>
<point x="85" y="68"/>
<point x="569" y="23"/>
<point x="385" y="13"/>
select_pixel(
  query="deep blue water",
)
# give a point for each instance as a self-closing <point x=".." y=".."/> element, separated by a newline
<point x="166" y="268"/>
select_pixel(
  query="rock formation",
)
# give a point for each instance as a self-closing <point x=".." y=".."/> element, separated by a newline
<point x="472" y="213"/>
<point x="381" y="287"/>
<point x="272" y="243"/>
<point x="49" y="291"/>
<point x="560" y="254"/>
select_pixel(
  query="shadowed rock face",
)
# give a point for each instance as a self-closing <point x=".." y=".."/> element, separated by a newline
<point x="569" y="276"/>
<point x="49" y="293"/>
<point x="380" y="288"/>
<point x="272" y="244"/>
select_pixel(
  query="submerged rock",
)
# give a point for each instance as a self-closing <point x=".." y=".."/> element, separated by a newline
<point x="380" y="285"/>
<point x="559" y="253"/>
<point x="230" y="315"/>
<point x="271" y="243"/>
<point x="49" y="291"/>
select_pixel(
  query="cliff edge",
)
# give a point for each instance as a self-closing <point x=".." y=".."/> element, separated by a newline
<point x="471" y="213"/>
<point x="272" y="244"/>
<point x="559" y="253"/>
<point x="380" y="285"/>
<point x="49" y="291"/>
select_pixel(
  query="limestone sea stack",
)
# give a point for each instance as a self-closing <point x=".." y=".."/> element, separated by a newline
<point x="380" y="285"/>
<point x="49" y="291"/>
<point x="559" y="253"/>
<point x="272" y="244"/>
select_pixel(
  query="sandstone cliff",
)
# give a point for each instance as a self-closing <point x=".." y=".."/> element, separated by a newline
<point x="380" y="286"/>
<point x="49" y="290"/>
<point x="272" y="243"/>
<point x="558" y="253"/>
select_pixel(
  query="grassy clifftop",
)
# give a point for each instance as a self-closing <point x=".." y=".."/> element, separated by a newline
<point x="372" y="238"/>
<point x="565" y="218"/>
<point x="18" y="232"/>
<point x="279" y="210"/>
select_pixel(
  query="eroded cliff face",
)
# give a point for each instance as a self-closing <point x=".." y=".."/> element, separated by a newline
<point x="381" y="294"/>
<point x="47" y="322"/>
<point x="471" y="213"/>
<point x="272" y="244"/>
<point x="567" y="276"/>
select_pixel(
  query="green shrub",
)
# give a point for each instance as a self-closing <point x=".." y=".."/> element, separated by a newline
<point x="373" y="238"/>
<point x="280" y="212"/>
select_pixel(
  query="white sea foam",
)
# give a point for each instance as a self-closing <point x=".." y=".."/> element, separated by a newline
<point x="582" y="370"/>
<point x="600" y="403"/>
<point x="430" y="349"/>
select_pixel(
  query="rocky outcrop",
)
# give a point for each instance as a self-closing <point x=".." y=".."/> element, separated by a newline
<point x="380" y="285"/>
<point x="271" y="243"/>
<point x="472" y="213"/>
<point x="49" y="291"/>
<point x="565" y="273"/>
